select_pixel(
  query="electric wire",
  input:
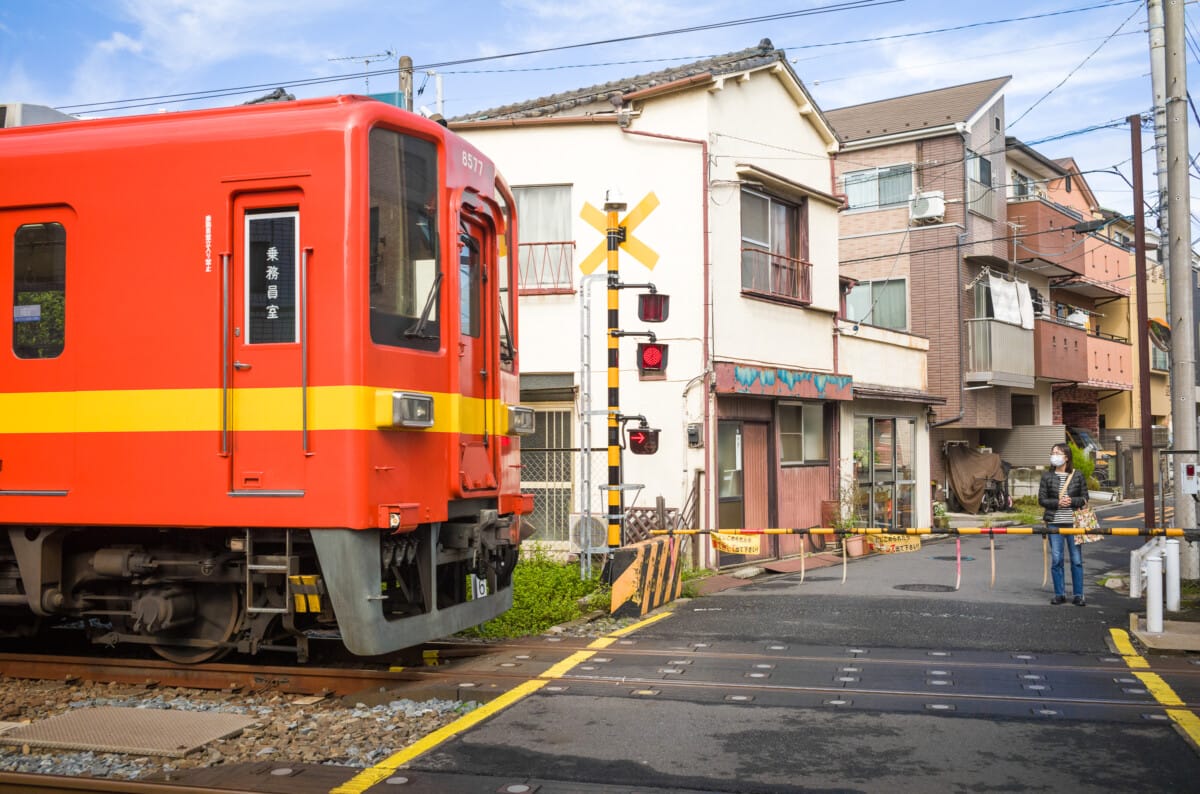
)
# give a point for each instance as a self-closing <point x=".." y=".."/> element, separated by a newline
<point x="1077" y="68"/>
<point x="216" y="93"/>
<point x="848" y="5"/>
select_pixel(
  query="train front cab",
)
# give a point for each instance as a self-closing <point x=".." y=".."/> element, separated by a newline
<point x="446" y="332"/>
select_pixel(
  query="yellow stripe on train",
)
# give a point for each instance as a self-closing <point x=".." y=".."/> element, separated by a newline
<point x="197" y="410"/>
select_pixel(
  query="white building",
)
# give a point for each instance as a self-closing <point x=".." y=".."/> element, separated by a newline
<point x="725" y="167"/>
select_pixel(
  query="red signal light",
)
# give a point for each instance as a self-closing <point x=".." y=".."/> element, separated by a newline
<point x="653" y="307"/>
<point x="643" y="441"/>
<point x="651" y="357"/>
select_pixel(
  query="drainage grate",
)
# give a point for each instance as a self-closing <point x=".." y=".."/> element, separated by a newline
<point x="926" y="588"/>
<point x="124" y="730"/>
<point x="952" y="558"/>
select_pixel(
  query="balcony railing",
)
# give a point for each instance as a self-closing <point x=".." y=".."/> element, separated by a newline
<point x="1110" y="363"/>
<point x="999" y="354"/>
<point x="546" y="268"/>
<point x="982" y="198"/>
<point x="1060" y="351"/>
<point x="776" y="275"/>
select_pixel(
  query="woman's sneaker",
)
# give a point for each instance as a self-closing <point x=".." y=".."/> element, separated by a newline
<point x="1058" y="600"/>
<point x="1079" y="602"/>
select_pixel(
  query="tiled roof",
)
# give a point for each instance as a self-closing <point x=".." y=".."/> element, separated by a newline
<point x="925" y="110"/>
<point x="609" y="93"/>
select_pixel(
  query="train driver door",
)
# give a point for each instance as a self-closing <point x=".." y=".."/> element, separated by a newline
<point x="477" y="358"/>
<point x="266" y="369"/>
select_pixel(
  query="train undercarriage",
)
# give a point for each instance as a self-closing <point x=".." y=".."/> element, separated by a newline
<point x="196" y="595"/>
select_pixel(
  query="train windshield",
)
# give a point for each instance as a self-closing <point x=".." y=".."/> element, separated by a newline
<point x="404" y="276"/>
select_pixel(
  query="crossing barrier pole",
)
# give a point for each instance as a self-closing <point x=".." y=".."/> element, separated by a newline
<point x="1154" y="594"/>
<point x="1172" y="575"/>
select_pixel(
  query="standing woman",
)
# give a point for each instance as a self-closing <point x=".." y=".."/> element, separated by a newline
<point x="1061" y="491"/>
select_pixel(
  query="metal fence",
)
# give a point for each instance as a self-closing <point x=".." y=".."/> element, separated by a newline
<point x="554" y="478"/>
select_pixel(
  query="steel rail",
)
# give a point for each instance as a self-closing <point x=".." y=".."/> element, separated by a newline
<point x="29" y="783"/>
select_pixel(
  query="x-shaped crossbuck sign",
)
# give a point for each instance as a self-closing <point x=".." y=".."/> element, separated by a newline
<point x="633" y="246"/>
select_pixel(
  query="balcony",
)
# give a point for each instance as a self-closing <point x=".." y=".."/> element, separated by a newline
<point x="1060" y="351"/>
<point x="546" y="268"/>
<point x="769" y="275"/>
<point x="1110" y="363"/>
<point x="999" y="354"/>
<point x="1043" y="239"/>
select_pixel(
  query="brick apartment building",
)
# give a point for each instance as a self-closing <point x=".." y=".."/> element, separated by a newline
<point x="958" y="234"/>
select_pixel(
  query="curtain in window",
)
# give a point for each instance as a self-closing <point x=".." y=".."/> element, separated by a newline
<point x="545" y="213"/>
<point x="895" y="184"/>
<point x="890" y="309"/>
<point x="862" y="189"/>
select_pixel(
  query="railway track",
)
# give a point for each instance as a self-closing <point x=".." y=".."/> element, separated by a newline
<point x="296" y="679"/>
<point x="474" y="671"/>
<point x="19" y="783"/>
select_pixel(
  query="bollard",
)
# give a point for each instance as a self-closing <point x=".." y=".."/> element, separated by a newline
<point x="1154" y="593"/>
<point x="1171" y="569"/>
<point x="1137" y="565"/>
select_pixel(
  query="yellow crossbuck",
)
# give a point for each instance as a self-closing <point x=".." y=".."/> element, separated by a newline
<point x="632" y="245"/>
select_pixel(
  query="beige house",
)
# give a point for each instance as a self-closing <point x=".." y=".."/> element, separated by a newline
<point x="985" y="247"/>
<point x="725" y="167"/>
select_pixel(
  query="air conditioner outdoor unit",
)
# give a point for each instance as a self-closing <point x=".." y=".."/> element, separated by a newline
<point x="587" y="537"/>
<point x="927" y="207"/>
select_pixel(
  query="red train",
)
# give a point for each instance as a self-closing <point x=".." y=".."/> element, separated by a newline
<point x="260" y="380"/>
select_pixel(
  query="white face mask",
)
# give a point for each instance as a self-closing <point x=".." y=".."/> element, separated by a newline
<point x="1057" y="460"/>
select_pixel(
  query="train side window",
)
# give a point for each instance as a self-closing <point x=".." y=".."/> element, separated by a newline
<point x="39" y="290"/>
<point x="404" y="276"/>
<point x="468" y="285"/>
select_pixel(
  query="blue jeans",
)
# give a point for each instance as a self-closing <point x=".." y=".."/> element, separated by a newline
<point x="1057" y="542"/>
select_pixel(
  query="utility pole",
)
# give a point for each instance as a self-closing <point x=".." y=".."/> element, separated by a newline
<point x="406" y="81"/>
<point x="1179" y="249"/>
<point x="1142" y="322"/>
<point x="1158" y="86"/>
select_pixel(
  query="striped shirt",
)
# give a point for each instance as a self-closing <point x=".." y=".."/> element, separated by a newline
<point x="1063" y="515"/>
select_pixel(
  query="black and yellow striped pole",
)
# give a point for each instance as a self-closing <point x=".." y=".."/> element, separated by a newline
<point x="615" y="235"/>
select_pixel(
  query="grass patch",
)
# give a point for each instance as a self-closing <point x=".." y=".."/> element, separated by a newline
<point x="691" y="581"/>
<point x="546" y="592"/>
<point x="1026" y="511"/>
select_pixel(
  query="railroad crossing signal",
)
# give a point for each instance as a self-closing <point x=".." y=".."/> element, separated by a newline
<point x="653" y="307"/>
<point x="652" y="358"/>
<point x="633" y="246"/>
<point x="643" y="440"/>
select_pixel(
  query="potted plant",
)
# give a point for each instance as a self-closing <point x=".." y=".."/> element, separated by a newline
<point x="847" y="518"/>
<point x="940" y="518"/>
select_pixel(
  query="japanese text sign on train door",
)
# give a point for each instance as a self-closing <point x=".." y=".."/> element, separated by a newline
<point x="272" y="241"/>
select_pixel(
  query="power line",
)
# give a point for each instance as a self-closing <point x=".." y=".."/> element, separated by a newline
<point x="216" y="93"/>
<point x="1077" y="68"/>
<point x="967" y="26"/>
<point x="949" y="247"/>
<point x="848" y="5"/>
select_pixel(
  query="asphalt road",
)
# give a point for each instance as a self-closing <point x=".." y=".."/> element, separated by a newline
<point x="891" y="681"/>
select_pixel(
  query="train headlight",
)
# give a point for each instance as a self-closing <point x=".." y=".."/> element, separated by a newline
<point x="520" y="420"/>
<point x="412" y="410"/>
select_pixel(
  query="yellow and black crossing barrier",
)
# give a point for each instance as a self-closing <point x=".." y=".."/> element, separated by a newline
<point x="1151" y="532"/>
<point x="644" y="576"/>
<point x="989" y="532"/>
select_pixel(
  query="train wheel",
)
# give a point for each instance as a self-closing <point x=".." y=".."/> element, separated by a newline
<point x="218" y="615"/>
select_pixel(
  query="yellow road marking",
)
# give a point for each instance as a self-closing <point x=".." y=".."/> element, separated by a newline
<point x="1187" y="721"/>
<point x="369" y="777"/>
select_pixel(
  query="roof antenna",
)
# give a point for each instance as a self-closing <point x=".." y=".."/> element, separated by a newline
<point x="367" y="60"/>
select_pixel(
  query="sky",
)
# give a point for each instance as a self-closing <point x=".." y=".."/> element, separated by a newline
<point x="1078" y="66"/>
